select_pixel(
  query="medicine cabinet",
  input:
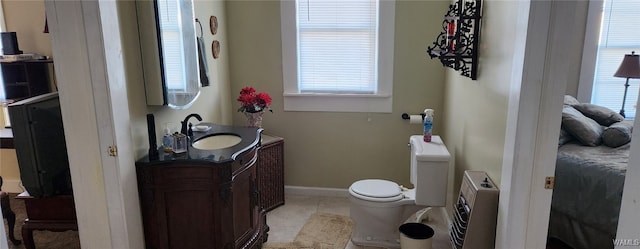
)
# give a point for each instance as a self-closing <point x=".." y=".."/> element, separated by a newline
<point x="169" y="52"/>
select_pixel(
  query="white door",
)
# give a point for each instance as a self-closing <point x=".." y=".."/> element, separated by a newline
<point x="87" y="53"/>
<point x="533" y="123"/>
<point x="532" y="131"/>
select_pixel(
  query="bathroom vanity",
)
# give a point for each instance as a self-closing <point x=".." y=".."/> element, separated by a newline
<point x="204" y="198"/>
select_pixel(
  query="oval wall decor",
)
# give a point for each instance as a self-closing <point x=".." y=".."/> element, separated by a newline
<point x="215" y="49"/>
<point x="213" y="25"/>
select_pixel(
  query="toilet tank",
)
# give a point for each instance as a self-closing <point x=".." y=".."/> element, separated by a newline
<point x="429" y="170"/>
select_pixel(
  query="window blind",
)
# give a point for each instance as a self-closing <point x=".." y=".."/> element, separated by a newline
<point x="174" y="67"/>
<point x="618" y="36"/>
<point x="337" y="45"/>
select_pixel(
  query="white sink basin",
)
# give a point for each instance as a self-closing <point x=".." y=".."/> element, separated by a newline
<point x="216" y="142"/>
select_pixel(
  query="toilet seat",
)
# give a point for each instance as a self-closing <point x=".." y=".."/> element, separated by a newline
<point x="376" y="190"/>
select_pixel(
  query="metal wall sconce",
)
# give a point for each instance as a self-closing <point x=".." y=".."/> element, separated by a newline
<point x="457" y="44"/>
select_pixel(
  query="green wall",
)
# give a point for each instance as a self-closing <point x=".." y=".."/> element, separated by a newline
<point x="330" y="149"/>
<point x="214" y="102"/>
<point x="477" y="110"/>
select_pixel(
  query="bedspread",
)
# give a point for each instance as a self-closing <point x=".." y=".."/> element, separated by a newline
<point x="588" y="184"/>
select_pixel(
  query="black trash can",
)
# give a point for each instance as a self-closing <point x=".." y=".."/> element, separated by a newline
<point x="415" y="236"/>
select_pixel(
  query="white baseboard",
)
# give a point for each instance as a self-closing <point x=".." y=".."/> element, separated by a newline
<point x="445" y="214"/>
<point x="12" y="186"/>
<point x="315" y="191"/>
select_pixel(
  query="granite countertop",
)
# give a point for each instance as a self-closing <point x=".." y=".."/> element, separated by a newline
<point x="250" y="138"/>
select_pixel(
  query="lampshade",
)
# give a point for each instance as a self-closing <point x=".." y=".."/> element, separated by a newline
<point x="630" y="66"/>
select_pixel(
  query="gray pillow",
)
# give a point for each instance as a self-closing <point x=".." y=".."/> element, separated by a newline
<point x="600" y="114"/>
<point x="570" y="100"/>
<point x="565" y="137"/>
<point x="617" y="134"/>
<point x="582" y="128"/>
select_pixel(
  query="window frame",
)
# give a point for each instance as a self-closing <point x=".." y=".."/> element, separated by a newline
<point x="590" y="53"/>
<point x="381" y="101"/>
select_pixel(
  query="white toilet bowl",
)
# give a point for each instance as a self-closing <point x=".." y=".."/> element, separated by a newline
<point x="379" y="207"/>
<point x="379" y="214"/>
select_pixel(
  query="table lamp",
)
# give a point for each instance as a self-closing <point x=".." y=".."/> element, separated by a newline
<point x="629" y="68"/>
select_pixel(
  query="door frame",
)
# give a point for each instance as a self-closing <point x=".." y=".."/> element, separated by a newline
<point x="533" y="120"/>
<point x="86" y="47"/>
<point x="533" y="127"/>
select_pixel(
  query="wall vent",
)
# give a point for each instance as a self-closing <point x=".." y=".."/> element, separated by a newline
<point x="475" y="213"/>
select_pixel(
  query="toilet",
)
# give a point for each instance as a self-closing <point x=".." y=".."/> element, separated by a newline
<point x="379" y="207"/>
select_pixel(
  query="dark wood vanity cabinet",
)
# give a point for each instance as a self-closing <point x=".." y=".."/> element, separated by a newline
<point x="199" y="204"/>
<point x="249" y="220"/>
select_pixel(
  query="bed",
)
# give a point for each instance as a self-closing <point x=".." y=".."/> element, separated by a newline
<point x="587" y="194"/>
<point x="589" y="180"/>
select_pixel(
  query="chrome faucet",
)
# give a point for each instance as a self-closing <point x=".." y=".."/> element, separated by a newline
<point x="183" y="129"/>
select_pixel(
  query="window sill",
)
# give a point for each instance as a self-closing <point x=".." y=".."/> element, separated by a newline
<point x="331" y="102"/>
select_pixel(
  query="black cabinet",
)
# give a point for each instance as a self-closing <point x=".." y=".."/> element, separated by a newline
<point x="23" y="79"/>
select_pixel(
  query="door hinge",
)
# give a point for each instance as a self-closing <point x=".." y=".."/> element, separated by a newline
<point x="549" y="181"/>
<point x="113" y="151"/>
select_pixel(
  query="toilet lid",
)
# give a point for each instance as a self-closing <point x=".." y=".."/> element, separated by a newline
<point x="376" y="188"/>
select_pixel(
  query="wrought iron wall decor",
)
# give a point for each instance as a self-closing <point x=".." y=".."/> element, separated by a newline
<point x="457" y="44"/>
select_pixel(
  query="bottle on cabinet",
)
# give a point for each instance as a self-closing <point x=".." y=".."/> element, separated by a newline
<point x="167" y="140"/>
<point x="428" y="125"/>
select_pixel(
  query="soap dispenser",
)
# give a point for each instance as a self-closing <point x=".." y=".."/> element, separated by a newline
<point x="167" y="140"/>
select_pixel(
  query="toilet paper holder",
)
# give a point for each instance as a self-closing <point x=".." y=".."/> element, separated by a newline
<point x="406" y="116"/>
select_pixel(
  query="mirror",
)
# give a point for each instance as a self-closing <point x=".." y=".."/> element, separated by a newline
<point x="169" y="52"/>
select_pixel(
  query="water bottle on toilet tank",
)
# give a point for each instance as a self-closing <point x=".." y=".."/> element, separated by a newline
<point x="428" y="125"/>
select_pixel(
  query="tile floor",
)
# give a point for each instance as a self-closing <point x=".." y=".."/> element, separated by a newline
<point x="285" y="221"/>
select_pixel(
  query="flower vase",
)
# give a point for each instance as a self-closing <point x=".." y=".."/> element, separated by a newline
<point x="254" y="119"/>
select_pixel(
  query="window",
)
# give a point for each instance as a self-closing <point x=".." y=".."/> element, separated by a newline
<point x="170" y="20"/>
<point x="617" y="37"/>
<point x="338" y="55"/>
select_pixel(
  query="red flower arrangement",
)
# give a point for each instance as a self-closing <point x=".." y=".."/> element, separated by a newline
<point x="253" y="102"/>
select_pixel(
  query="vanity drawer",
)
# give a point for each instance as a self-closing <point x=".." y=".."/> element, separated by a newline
<point x="244" y="160"/>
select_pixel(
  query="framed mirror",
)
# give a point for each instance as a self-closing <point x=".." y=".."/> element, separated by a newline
<point x="169" y="52"/>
